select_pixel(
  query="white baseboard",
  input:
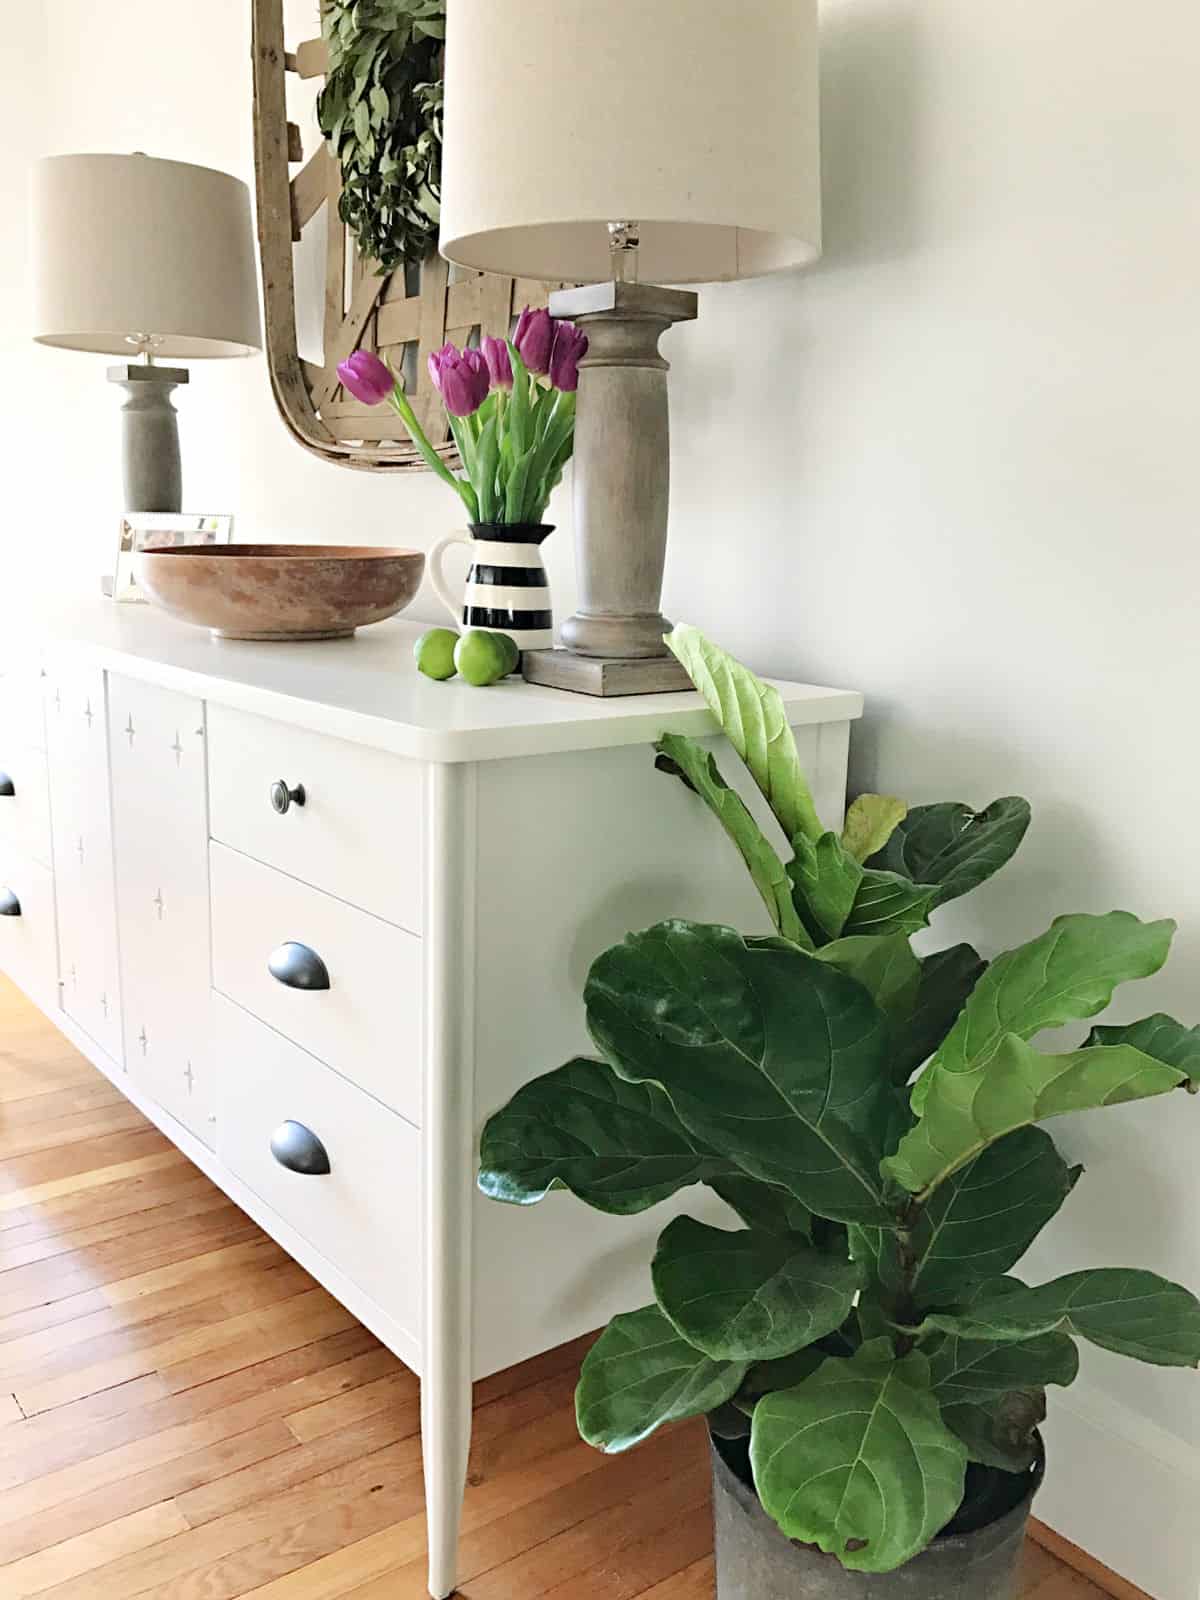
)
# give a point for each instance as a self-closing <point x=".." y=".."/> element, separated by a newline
<point x="1123" y="1489"/>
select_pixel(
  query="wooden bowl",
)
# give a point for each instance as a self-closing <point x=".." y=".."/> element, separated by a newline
<point x="280" y="591"/>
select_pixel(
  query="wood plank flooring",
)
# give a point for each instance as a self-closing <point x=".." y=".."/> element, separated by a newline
<point x="186" y="1415"/>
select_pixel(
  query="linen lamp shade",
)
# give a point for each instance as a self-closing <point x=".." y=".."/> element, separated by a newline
<point x="697" y="119"/>
<point x="129" y="245"/>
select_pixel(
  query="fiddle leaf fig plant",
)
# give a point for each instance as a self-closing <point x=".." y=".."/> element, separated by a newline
<point x="871" y="1119"/>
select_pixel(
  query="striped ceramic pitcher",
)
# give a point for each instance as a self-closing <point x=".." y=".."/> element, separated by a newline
<point x="506" y="586"/>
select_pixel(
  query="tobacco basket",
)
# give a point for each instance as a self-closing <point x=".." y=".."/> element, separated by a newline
<point x="402" y="315"/>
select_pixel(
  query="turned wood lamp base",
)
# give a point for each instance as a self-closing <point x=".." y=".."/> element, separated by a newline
<point x="604" y="676"/>
<point x="614" y="642"/>
<point x="150" y="436"/>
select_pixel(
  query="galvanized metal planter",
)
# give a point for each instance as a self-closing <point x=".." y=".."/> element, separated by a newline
<point x="756" y="1562"/>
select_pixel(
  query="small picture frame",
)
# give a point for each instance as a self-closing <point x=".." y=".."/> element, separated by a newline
<point x="160" y="530"/>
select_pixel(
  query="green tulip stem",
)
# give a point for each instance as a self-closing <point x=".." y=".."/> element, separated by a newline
<point x="519" y="410"/>
<point x="403" y="408"/>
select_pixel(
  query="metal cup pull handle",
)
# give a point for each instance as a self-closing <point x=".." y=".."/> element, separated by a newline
<point x="297" y="967"/>
<point x="299" y="1150"/>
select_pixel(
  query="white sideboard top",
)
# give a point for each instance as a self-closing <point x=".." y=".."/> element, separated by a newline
<point x="367" y="689"/>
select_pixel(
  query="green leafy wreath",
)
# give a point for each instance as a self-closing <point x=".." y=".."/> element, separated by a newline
<point x="381" y="111"/>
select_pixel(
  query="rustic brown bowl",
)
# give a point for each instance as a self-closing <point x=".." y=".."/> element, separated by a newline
<point x="280" y="591"/>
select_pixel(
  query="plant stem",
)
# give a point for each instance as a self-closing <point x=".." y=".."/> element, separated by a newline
<point x="403" y="408"/>
<point x="904" y="1308"/>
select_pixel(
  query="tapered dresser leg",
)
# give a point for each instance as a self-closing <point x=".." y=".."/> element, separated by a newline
<point x="449" y="1167"/>
<point x="446" y="1445"/>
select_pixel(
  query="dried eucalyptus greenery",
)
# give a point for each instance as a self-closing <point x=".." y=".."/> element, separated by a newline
<point x="381" y="110"/>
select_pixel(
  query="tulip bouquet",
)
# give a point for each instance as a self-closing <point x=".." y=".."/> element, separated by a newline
<point x="514" y="431"/>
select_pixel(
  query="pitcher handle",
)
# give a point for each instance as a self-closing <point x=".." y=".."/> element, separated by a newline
<point x="437" y="577"/>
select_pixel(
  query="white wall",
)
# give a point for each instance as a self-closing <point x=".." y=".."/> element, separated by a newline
<point x="22" y="91"/>
<point x="954" y="466"/>
<point x="171" y="77"/>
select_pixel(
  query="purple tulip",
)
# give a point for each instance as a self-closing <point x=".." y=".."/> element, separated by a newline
<point x="534" y="339"/>
<point x="435" y="364"/>
<point x="461" y="378"/>
<point x="366" y="377"/>
<point x="570" y="347"/>
<point x="495" y="353"/>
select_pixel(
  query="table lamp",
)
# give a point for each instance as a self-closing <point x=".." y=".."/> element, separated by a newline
<point x="145" y="258"/>
<point x="626" y="145"/>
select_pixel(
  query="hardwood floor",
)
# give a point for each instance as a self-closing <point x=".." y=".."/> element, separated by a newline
<point x="185" y="1415"/>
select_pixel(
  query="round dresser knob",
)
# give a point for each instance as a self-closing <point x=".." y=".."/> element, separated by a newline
<point x="283" y="798"/>
<point x="6" y="786"/>
<point x="10" y="906"/>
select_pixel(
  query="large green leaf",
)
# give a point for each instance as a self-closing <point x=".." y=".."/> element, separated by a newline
<point x="770" y="1057"/>
<point x="976" y="1225"/>
<point x="825" y="879"/>
<point x="1000" y="1431"/>
<point x="640" y="1374"/>
<point x="856" y="1459"/>
<point x="887" y="903"/>
<point x="1069" y="971"/>
<point x="698" y="769"/>
<point x="946" y="979"/>
<point x="981" y="1221"/>
<point x="870" y="822"/>
<point x="616" y="1145"/>
<point x="752" y="717"/>
<point x="951" y="845"/>
<point x="967" y="1370"/>
<point x="762" y="1205"/>
<point x="786" y="1373"/>
<point x="964" y="1112"/>
<point x="886" y="968"/>
<point x="993" y="1394"/>
<point x="749" y="1296"/>
<point x="1158" y="1036"/>
<point x="1123" y="1309"/>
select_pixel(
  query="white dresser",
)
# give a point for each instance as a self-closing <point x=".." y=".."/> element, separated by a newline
<point x="318" y="916"/>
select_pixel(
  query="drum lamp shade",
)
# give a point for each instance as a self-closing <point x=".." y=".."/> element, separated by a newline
<point x="698" y="119"/>
<point x="129" y="245"/>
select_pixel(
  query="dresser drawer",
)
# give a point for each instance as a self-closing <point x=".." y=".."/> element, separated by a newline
<point x="364" y="1214"/>
<point x="28" y="940"/>
<point x="25" y="801"/>
<point x="359" y="832"/>
<point x="367" y="1023"/>
<point x="22" y="718"/>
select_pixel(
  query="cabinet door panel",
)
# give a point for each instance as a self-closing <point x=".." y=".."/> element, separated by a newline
<point x="160" y="833"/>
<point x="77" y="754"/>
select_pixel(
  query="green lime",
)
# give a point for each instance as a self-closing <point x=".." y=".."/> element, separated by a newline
<point x="483" y="657"/>
<point x="434" y="653"/>
<point x="514" y="655"/>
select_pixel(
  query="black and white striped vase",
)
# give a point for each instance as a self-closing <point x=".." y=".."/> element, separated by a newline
<point x="506" y="588"/>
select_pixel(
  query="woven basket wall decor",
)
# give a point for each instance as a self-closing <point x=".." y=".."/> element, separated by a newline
<point x="403" y="315"/>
